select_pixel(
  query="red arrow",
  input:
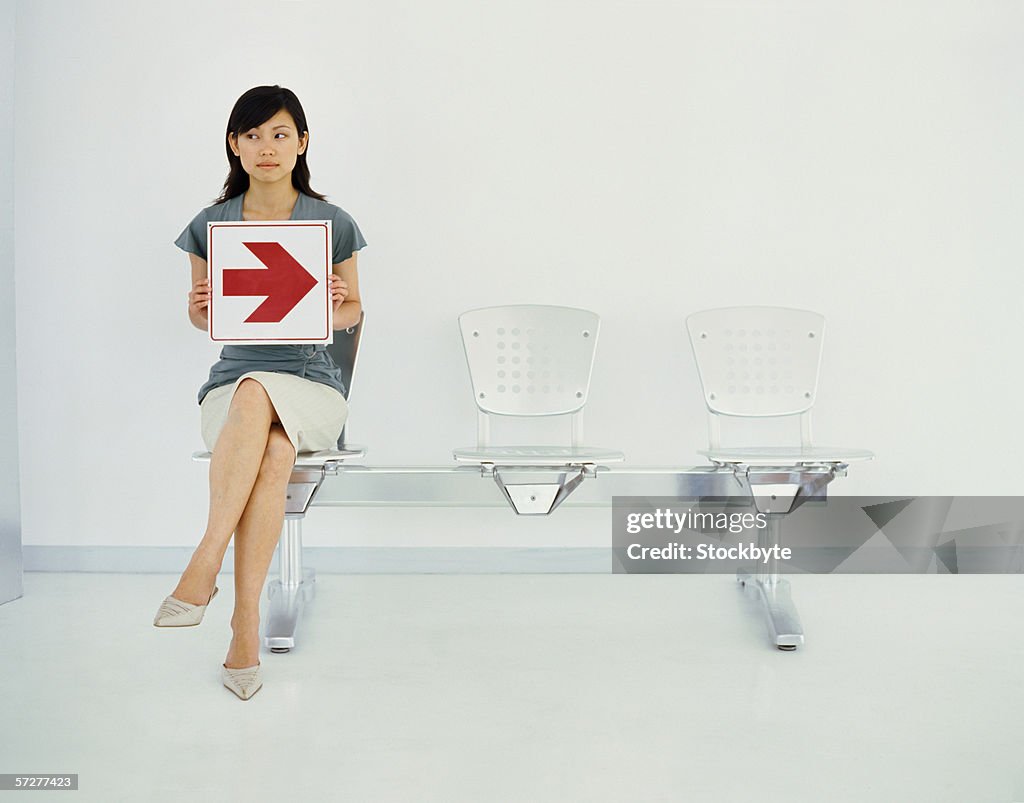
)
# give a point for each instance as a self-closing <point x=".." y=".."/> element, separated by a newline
<point x="284" y="282"/>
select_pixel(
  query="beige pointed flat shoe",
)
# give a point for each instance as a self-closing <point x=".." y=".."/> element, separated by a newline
<point x="176" y="613"/>
<point x="244" y="682"/>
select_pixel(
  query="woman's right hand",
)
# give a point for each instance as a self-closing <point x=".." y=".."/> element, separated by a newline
<point x="199" y="302"/>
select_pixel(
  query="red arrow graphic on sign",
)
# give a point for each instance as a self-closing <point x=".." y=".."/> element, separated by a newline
<point x="284" y="282"/>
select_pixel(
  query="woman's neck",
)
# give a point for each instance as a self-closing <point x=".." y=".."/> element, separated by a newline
<point x="270" y="202"/>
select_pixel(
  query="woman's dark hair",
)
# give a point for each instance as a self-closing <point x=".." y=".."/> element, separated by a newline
<point x="253" y="109"/>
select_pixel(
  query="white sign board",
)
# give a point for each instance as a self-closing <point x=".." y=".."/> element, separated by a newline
<point x="270" y="281"/>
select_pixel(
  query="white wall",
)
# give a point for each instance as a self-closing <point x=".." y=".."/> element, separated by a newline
<point x="644" y="160"/>
<point x="10" y="505"/>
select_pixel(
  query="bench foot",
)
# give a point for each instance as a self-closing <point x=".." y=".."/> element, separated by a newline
<point x="784" y="626"/>
<point x="289" y="592"/>
<point x="286" y="604"/>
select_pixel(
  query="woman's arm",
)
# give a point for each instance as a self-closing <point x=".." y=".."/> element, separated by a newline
<point x="345" y="293"/>
<point x="199" y="295"/>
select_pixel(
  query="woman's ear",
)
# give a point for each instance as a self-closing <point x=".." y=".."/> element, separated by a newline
<point x="233" y="143"/>
<point x="304" y="142"/>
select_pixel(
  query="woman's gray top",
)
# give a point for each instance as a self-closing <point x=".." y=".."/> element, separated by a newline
<point x="311" y="362"/>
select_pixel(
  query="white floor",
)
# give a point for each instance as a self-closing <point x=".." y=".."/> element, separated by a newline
<point x="526" y="688"/>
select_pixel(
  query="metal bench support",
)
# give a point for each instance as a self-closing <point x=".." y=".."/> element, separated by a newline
<point x="537" y="490"/>
<point x="295" y="586"/>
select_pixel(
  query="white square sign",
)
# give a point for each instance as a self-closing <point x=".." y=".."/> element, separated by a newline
<point x="270" y="281"/>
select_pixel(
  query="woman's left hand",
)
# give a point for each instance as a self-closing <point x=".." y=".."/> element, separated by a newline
<point x="339" y="291"/>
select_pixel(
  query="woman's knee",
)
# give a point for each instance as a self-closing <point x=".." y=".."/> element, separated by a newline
<point x="279" y="456"/>
<point x="251" y="399"/>
<point x="250" y="393"/>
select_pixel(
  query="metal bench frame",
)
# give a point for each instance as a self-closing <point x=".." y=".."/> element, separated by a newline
<point x="338" y="483"/>
<point x="537" y="480"/>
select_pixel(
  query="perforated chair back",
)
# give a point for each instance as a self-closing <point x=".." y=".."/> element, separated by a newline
<point x="345" y="353"/>
<point x="530" y="360"/>
<point x="762" y="362"/>
<point x="757" y="361"/>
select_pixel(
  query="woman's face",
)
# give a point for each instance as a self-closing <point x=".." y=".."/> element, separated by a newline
<point x="268" y="152"/>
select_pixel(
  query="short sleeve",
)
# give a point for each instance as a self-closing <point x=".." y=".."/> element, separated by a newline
<point x="347" y="237"/>
<point x="193" y="238"/>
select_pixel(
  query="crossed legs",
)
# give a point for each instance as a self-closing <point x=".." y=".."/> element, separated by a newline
<point x="249" y="473"/>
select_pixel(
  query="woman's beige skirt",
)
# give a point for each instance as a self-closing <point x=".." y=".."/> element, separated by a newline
<point x="311" y="413"/>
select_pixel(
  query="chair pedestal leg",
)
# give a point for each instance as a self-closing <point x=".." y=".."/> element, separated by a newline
<point x="784" y="626"/>
<point x="290" y="592"/>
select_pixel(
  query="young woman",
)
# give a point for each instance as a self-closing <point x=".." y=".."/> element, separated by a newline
<point x="261" y="404"/>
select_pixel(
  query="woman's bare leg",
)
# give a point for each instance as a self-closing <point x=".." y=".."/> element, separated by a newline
<point x="256" y="536"/>
<point x="234" y="466"/>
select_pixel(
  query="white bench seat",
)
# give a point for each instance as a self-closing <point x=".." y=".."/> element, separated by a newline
<point x="786" y="455"/>
<point x="537" y="455"/>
